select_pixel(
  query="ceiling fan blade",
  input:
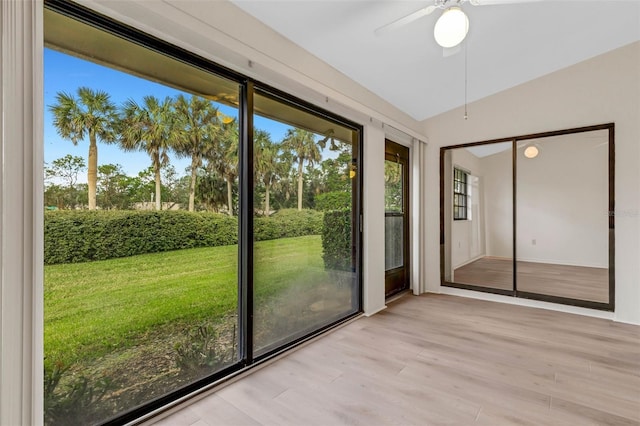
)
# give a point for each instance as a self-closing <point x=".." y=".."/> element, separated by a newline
<point x="405" y="20"/>
<point x="496" y="2"/>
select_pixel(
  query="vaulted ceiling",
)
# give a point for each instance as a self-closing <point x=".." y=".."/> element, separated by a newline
<point x="507" y="44"/>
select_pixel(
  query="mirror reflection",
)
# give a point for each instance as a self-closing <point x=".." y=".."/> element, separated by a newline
<point x="478" y="212"/>
<point x="562" y="222"/>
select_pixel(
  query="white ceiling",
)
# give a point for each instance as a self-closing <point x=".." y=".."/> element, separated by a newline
<point x="507" y="44"/>
<point x="482" y="151"/>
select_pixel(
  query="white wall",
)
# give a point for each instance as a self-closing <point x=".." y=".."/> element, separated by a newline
<point x="498" y="205"/>
<point x="372" y="257"/>
<point x="600" y="90"/>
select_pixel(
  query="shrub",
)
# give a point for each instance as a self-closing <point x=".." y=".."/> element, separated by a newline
<point x="81" y="236"/>
<point x="76" y="402"/>
<point x="336" y="200"/>
<point x="336" y="246"/>
<point x="288" y="223"/>
<point x="336" y="240"/>
<point x="205" y="348"/>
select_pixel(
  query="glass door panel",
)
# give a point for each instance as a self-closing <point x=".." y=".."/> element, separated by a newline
<point x="140" y="228"/>
<point x="305" y="208"/>
<point x="394" y="242"/>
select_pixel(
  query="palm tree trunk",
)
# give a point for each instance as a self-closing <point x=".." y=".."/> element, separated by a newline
<point x="230" y="195"/>
<point x="300" y="183"/>
<point x="92" y="171"/>
<point x="267" y="210"/>
<point x="156" y="166"/>
<point x="192" y="185"/>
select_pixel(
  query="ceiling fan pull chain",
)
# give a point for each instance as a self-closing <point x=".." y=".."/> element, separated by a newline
<point x="466" y="116"/>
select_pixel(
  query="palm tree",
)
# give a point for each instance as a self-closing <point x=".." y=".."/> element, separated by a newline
<point x="302" y="144"/>
<point x="197" y="128"/>
<point x="149" y="127"/>
<point x="92" y="113"/>
<point x="222" y="157"/>
<point x="283" y="186"/>
<point x="266" y="164"/>
<point x="228" y="143"/>
<point x="209" y="191"/>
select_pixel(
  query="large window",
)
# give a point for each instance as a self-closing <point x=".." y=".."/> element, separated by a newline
<point x="193" y="226"/>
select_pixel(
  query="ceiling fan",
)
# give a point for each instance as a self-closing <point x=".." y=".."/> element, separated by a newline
<point x="452" y="26"/>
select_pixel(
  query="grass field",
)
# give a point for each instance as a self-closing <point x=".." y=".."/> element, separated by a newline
<point x="122" y="332"/>
<point x="94" y="308"/>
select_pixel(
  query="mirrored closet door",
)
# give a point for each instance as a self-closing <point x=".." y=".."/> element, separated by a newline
<point x="478" y="213"/>
<point x="528" y="216"/>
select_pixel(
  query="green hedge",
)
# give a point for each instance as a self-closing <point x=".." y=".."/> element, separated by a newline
<point x="81" y="236"/>
<point x="336" y="240"/>
<point x="288" y="223"/>
<point x="336" y="200"/>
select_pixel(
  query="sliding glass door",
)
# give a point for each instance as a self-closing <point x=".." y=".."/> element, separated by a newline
<point x="194" y="224"/>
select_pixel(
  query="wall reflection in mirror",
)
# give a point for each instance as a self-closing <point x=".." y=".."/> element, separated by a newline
<point x="562" y="225"/>
<point x="563" y="234"/>
<point x="478" y="208"/>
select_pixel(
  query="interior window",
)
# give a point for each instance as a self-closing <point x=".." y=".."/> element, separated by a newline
<point x="460" y="194"/>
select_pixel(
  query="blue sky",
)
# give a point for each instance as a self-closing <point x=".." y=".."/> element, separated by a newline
<point x="65" y="73"/>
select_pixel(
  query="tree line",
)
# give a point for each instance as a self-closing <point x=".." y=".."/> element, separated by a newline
<point x="190" y="127"/>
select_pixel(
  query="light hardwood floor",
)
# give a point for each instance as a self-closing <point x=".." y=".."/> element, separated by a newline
<point x="436" y="359"/>
<point x="575" y="282"/>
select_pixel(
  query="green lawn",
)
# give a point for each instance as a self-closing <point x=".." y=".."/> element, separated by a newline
<point x="94" y="308"/>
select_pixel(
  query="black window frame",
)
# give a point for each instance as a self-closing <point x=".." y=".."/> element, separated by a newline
<point x="461" y="196"/>
<point x="248" y="87"/>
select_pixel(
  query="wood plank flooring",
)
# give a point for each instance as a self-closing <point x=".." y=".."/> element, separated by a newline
<point x="436" y="360"/>
<point x="575" y="282"/>
<point x="491" y="272"/>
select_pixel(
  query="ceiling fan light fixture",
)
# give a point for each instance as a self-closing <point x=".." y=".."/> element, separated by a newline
<point x="451" y="28"/>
